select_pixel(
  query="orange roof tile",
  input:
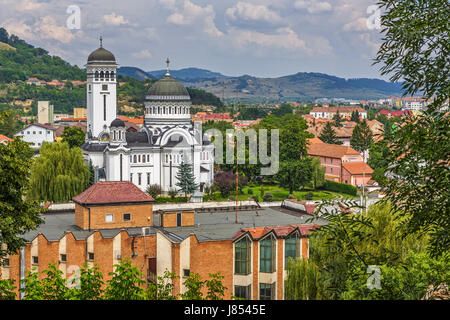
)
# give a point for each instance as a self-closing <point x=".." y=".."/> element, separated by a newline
<point x="330" y="150"/>
<point x="3" y="137"/>
<point x="357" y="167"/>
<point x="279" y="231"/>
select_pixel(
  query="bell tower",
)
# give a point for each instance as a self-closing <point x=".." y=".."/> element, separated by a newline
<point x="101" y="93"/>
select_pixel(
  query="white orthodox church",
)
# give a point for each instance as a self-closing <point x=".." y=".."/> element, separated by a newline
<point x="153" y="155"/>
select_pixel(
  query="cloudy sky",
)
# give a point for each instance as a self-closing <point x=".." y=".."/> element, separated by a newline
<point x="265" y="38"/>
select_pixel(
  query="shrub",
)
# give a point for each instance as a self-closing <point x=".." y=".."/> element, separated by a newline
<point x="268" y="197"/>
<point x="173" y="193"/>
<point x="153" y="190"/>
<point x="340" y="187"/>
<point x="249" y="191"/>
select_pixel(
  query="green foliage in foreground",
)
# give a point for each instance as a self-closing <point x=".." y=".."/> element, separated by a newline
<point x="342" y="251"/>
<point x="127" y="283"/>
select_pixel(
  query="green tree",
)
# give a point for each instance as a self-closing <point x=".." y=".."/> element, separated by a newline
<point x="154" y="190"/>
<point x="90" y="284"/>
<point x="355" y="116"/>
<point x="283" y="110"/>
<point x="7" y="290"/>
<point x="59" y="173"/>
<point x="163" y="289"/>
<point x="194" y="285"/>
<point x="216" y="289"/>
<point x="362" y="137"/>
<point x="91" y="174"/>
<point x="303" y="281"/>
<point x="337" y="119"/>
<point x="74" y="136"/>
<point x="294" y="174"/>
<point x="186" y="179"/>
<point x="415" y="49"/>
<point x="3" y="35"/>
<point x="126" y="283"/>
<point x="317" y="174"/>
<point x="9" y="124"/>
<point x="51" y="287"/>
<point x="328" y="135"/>
<point x="18" y="213"/>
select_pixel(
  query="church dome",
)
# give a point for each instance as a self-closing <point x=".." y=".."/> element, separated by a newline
<point x="117" y="123"/>
<point x="101" y="55"/>
<point x="168" y="86"/>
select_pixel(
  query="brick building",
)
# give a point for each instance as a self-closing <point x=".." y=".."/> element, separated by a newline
<point x="116" y="220"/>
<point x="342" y="163"/>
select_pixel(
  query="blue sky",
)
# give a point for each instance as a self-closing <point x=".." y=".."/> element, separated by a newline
<point x="235" y="37"/>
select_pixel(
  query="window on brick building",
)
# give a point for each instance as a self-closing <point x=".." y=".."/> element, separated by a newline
<point x="186" y="272"/>
<point x="267" y="255"/>
<point x="63" y="258"/>
<point x="6" y="262"/>
<point x="243" y="292"/>
<point x="267" y="291"/>
<point x="178" y="219"/>
<point x="90" y="256"/>
<point x="242" y="256"/>
<point x="35" y="260"/>
<point x="292" y="248"/>
<point x="127" y="217"/>
<point x="109" y="217"/>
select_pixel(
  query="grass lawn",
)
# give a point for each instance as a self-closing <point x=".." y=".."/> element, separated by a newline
<point x="280" y="194"/>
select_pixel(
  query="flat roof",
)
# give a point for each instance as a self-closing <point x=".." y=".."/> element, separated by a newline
<point x="209" y="226"/>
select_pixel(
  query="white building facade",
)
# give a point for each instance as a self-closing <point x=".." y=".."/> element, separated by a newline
<point x="36" y="134"/>
<point x="154" y="154"/>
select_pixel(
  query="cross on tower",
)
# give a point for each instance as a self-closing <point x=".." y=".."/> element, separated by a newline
<point x="167" y="61"/>
<point x="101" y="42"/>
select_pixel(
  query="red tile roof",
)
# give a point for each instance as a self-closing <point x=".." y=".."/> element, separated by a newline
<point x="357" y="167"/>
<point x="112" y="192"/>
<point x="330" y="150"/>
<point x="3" y="137"/>
<point x="279" y="231"/>
<point x="335" y="109"/>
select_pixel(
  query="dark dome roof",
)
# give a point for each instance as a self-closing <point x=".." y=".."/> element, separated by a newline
<point x="167" y="86"/>
<point x="117" y="123"/>
<point x="103" y="55"/>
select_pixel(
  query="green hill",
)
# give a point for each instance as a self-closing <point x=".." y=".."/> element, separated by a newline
<point x="27" y="61"/>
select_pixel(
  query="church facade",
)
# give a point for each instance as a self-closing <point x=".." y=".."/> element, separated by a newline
<point x="154" y="154"/>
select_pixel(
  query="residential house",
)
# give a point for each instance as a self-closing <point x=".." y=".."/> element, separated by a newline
<point x="342" y="163"/>
<point x="36" y="134"/>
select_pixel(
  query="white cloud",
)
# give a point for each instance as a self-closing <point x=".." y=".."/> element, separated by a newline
<point x="114" y="19"/>
<point x="143" y="54"/>
<point x="359" y="24"/>
<point x="44" y="28"/>
<point x="48" y="28"/>
<point x="313" y="6"/>
<point x="248" y="11"/>
<point x="283" y="38"/>
<point x="193" y="14"/>
<point x="19" y="28"/>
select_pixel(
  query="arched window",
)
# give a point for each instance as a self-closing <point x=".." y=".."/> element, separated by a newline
<point x="135" y="159"/>
<point x="107" y="74"/>
<point x="102" y="75"/>
<point x="96" y="75"/>
<point x="114" y="134"/>
<point x="179" y="110"/>
<point x="148" y="158"/>
<point x="112" y="75"/>
<point x="175" y="110"/>
<point x="242" y="256"/>
<point x="159" y="110"/>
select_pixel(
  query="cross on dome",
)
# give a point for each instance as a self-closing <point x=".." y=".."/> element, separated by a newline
<point x="167" y="72"/>
<point x="101" y="42"/>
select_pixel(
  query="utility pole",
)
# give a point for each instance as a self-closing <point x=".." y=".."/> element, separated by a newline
<point x="237" y="183"/>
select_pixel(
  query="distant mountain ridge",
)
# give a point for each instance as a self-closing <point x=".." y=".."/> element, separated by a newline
<point x="188" y="74"/>
<point x="300" y="86"/>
